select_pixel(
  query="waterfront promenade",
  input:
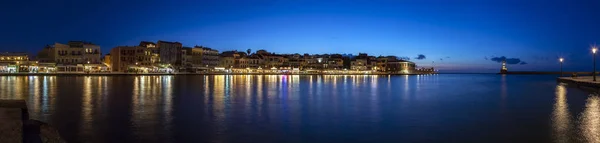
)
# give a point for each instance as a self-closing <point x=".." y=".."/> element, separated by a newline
<point x="582" y="81"/>
<point x="186" y="73"/>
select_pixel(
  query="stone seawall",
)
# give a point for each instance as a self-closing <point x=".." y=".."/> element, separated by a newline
<point x="16" y="127"/>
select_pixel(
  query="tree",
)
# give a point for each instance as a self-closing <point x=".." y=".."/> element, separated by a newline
<point x="249" y="51"/>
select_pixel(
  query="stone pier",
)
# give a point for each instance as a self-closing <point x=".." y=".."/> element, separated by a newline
<point x="16" y="127"/>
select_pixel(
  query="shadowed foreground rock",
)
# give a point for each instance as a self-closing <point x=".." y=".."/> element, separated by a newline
<point x="37" y="131"/>
<point x="16" y="127"/>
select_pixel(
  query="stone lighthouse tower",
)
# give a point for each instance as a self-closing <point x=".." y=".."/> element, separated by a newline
<point x="503" y="70"/>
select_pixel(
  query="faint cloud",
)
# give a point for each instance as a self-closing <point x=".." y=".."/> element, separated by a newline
<point x="404" y="58"/>
<point x="420" y="57"/>
<point x="522" y="63"/>
<point x="510" y="61"/>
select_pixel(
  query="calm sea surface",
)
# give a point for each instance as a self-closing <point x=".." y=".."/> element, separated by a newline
<point x="292" y="108"/>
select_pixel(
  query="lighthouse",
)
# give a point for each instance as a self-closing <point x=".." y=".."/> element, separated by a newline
<point x="503" y="70"/>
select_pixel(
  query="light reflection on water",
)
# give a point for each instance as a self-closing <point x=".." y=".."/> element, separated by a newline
<point x="590" y="120"/>
<point x="293" y="108"/>
<point x="561" y="116"/>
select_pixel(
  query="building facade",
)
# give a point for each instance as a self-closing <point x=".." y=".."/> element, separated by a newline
<point x="13" y="62"/>
<point x="128" y="58"/>
<point x="210" y="57"/>
<point x="75" y="56"/>
<point x="170" y="52"/>
<point x="75" y="52"/>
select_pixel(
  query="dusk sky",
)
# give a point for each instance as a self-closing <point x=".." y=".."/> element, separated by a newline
<point x="458" y="36"/>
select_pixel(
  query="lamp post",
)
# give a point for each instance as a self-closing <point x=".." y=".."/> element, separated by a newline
<point x="561" y="62"/>
<point x="594" y="49"/>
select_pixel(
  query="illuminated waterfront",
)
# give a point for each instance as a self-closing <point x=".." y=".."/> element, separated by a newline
<point x="302" y="108"/>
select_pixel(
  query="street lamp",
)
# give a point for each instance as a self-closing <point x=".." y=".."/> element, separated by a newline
<point x="594" y="49"/>
<point x="561" y="62"/>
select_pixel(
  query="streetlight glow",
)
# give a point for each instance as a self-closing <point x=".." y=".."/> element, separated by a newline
<point x="594" y="49"/>
<point x="561" y="70"/>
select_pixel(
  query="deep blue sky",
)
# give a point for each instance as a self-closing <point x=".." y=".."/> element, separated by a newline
<point x="457" y="35"/>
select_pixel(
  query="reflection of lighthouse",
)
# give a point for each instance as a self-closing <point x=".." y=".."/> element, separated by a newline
<point x="503" y="70"/>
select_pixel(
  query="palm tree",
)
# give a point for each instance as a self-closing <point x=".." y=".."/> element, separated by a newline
<point x="249" y="51"/>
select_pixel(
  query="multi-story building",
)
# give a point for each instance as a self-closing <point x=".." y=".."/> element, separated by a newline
<point x="335" y="62"/>
<point x="359" y="64"/>
<point x="186" y="57"/>
<point x="253" y="61"/>
<point x="242" y="62"/>
<point x="75" y="56"/>
<point x="226" y="61"/>
<point x="123" y="57"/>
<point x="270" y="60"/>
<point x="294" y="61"/>
<point x="170" y="52"/>
<point x="210" y="57"/>
<point x="392" y="64"/>
<point x="196" y="58"/>
<point x="11" y="62"/>
<point x="132" y="58"/>
<point x="400" y="66"/>
<point x="154" y="51"/>
<point x="230" y="59"/>
<point x="372" y="63"/>
<point x="107" y="60"/>
<point x="382" y="61"/>
<point x="315" y="62"/>
<point x="75" y="52"/>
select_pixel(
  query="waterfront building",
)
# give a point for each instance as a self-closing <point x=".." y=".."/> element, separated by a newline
<point x="315" y="62"/>
<point x="242" y="62"/>
<point x="400" y="66"/>
<point x="13" y="62"/>
<point x="134" y="59"/>
<point x="107" y="60"/>
<point x="372" y="63"/>
<point x="186" y="58"/>
<point x="210" y="57"/>
<point x="153" y="49"/>
<point x="196" y="58"/>
<point x="254" y="61"/>
<point x="294" y="61"/>
<point x="270" y="60"/>
<point x="226" y="61"/>
<point x="75" y="56"/>
<point x="359" y="64"/>
<point x="335" y="62"/>
<point x="382" y="63"/>
<point x="170" y="53"/>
